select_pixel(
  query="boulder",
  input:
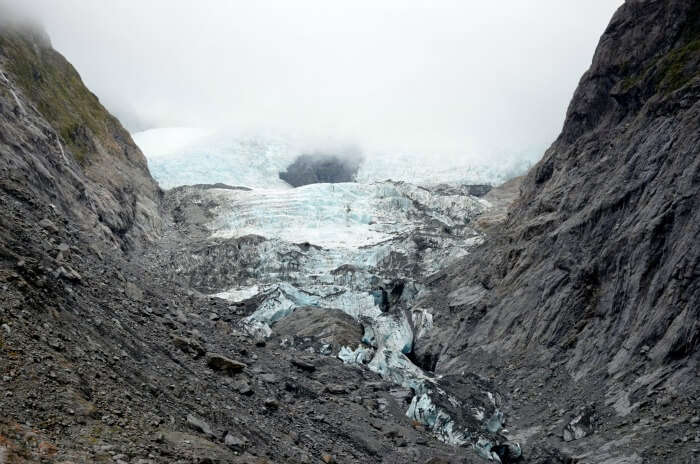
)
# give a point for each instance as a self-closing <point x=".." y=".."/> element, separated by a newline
<point x="580" y="426"/>
<point x="188" y="345"/>
<point x="336" y="389"/>
<point x="219" y="362"/>
<point x="200" y="425"/>
<point x="48" y="226"/>
<point x="303" y="365"/>
<point x="235" y="442"/>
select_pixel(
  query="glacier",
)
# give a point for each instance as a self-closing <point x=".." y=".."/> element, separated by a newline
<point x="186" y="156"/>
<point x="362" y="248"/>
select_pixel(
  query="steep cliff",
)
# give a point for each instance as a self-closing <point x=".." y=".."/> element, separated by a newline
<point x="595" y="273"/>
<point x="60" y="145"/>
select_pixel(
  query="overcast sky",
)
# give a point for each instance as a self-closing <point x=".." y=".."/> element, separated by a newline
<point x="473" y="78"/>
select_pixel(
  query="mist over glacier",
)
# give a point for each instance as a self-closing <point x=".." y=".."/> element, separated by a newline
<point x="186" y="156"/>
<point x="442" y="78"/>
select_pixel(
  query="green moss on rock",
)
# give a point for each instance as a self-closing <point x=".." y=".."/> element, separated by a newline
<point x="47" y="79"/>
<point x="679" y="67"/>
<point x="673" y="70"/>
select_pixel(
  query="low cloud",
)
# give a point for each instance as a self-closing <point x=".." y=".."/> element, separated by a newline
<point x="481" y="80"/>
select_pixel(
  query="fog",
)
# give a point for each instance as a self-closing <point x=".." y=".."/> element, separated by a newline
<point x="474" y="79"/>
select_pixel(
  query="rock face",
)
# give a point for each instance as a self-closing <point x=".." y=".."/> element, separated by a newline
<point x="601" y="243"/>
<point x="569" y="336"/>
<point x="322" y="168"/>
<point x="61" y="146"/>
<point x="598" y="258"/>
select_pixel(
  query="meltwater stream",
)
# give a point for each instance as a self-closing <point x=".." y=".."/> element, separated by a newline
<point x="362" y="248"/>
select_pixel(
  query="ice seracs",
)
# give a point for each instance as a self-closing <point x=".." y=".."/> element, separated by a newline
<point x="361" y="248"/>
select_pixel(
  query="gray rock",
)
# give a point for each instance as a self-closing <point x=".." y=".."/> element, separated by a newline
<point x="188" y="345"/>
<point x="272" y="404"/>
<point x="401" y="394"/>
<point x="598" y="255"/>
<point x="580" y="426"/>
<point x="68" y="273"/>
<point x="243" y="387"/>
<point x="269" y="378"/>
<point x="200" y="425"/>
<point x="330" y="327"/>
<point x="220" y="362"/>
<point x="595" y="260"/>
<point x="303" y="365"/>
<point x="479" y="190"/>
<point x="235" y="442"/>
<point x="336" y="389"/>
<point x="48" y="226"/>
<point x="56" y="344"/>
<point x="181" y="317"/>
<point x="133" y="291"/>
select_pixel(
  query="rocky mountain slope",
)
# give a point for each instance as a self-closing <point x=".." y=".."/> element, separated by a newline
<point x="570" y="335"/>
<point x="62" y="147"/>
<point x="106" y="358"/>
<point x="587" y="297"/>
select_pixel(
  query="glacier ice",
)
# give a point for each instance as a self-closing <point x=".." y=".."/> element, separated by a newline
<point x="395" y="366"/>
<point x="483" y="447"/>
<point x="238" y="294"/>
<point x="423" y="410"/>
<point x="186" y="156"/>
<point x="422" y="321"/>
<point x="282" y="298"/>
<point x="495" y="422"/>
<point x="331" y="245"/>
<point x="360" y="355"/>
<point x="355" y="247"/>
<point x="342" y="246"/>
<point x="389" y="331"/>
<point x="349" y="215"/>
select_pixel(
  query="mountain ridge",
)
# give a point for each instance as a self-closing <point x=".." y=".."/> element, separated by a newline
<point x="570" y="335"/>
<point x="107" y="168"/>
<point x="595" y="269"/>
